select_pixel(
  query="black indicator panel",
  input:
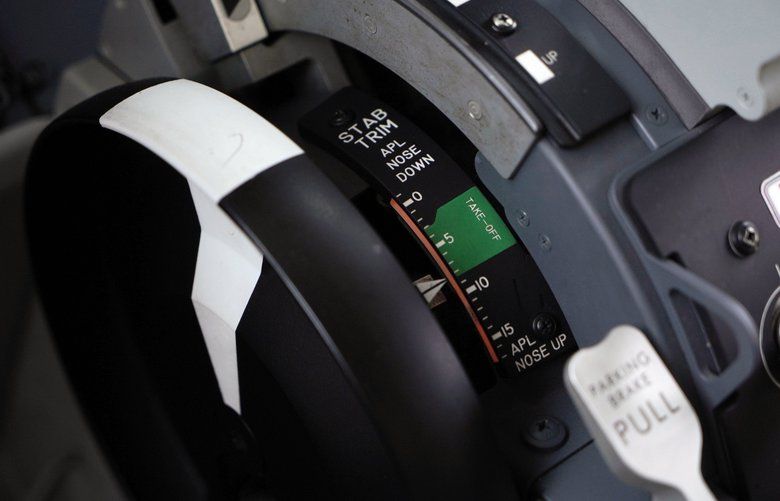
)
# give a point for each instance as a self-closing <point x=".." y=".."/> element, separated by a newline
<point x="565" y="78"/>
<point x="511" y="306"/>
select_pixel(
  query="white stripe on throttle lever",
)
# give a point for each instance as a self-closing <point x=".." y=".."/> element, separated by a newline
<point x="217" y="144"/>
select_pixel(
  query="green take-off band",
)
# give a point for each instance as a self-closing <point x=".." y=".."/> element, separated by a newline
<point x="468" y="231"/>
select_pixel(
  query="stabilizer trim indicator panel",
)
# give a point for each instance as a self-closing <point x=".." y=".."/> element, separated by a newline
<point x="492" y="275"/>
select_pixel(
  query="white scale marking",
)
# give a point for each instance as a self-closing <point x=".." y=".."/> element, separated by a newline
<point x="408" y="202"/>
<point x="471" y="289"/>
<point x="496" y="336"/>
<point x="439" y="244"/>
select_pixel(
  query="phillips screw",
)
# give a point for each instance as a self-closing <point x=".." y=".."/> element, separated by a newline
<point x="544" y="324"/>
<point x="523" y="218"/>
<point x="657" y="115"/>
<point x="503" y="24"/>
<point x="545" y="432"/>
<point x="544" y="242"/>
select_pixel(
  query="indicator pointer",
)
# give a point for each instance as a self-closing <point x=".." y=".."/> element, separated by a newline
<point x="430" y="289"/>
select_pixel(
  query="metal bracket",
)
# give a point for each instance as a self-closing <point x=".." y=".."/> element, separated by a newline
<point x="669" y="278"/>
<point x="218" y="32"/>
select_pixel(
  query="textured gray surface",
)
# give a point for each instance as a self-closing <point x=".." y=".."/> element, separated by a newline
<point x="82" y="80"/>
<point x="139" y="45"/>
<point x="677" y="90"/>
<point x="729" y="51"/>
<point x="15" y="280"/>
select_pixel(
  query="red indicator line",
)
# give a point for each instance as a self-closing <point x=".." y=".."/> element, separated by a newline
<point x="447" y="274"/>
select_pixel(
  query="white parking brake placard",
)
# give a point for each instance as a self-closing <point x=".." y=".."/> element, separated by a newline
<point x="770" y="190"/>
<point x="642" y="422"/>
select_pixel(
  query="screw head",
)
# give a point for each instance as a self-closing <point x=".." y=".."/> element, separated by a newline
<point x="545" y="432"/>
<point x="743" y="238"/>
<point x="503" y="23"/>
<point x="544" y="242"/>
<point x="340" y="118"/>
<point x="523" y="219"/>
<point x="544" y="324"/>
<point x="370" y="25"/>
<point x="744" y="97"/>
<point x="475" y="110"/>
<point x="656" y="115"/>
